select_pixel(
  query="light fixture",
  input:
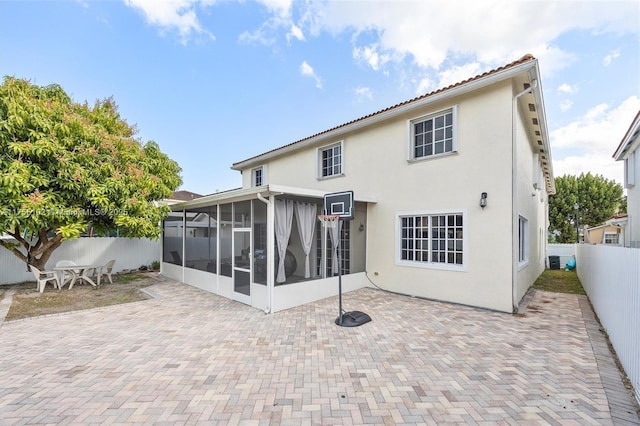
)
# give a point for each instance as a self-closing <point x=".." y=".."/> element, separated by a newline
<point x="361" y="227"/>
<point x="483" y="200"/>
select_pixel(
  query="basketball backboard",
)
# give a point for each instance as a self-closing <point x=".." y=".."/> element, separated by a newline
<point x="340" y="203"/>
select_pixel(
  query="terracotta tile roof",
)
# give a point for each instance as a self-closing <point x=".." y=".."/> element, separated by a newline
<point x="526" y="58"/>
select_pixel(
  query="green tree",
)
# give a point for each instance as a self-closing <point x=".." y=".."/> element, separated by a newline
<point x="597" y="199"/>
<point x="65" y="166"/>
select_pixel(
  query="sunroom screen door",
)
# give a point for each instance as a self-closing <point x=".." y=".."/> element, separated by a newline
<point x="242" y="265"/>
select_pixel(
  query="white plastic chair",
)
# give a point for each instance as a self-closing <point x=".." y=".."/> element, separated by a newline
<point x="44" y="277"/>
<point x="105" y="270"/>
<point x="66" y="275"/>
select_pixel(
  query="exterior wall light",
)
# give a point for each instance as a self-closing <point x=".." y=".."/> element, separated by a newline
<point x="483" y="200"/>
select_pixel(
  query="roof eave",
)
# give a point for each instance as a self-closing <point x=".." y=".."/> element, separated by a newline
<point x="534" y="74"/>
<point x="630" y="137"/>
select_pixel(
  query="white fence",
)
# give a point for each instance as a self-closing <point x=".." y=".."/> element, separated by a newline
<point x="129" y="253"/>
<point x="611" y="277"/>
<point x="565" y="251"/>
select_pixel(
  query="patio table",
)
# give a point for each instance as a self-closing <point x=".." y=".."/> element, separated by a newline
<point x="78" y="272"/>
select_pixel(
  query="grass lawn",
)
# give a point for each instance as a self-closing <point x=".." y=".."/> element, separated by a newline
<point x="28" y="302"/>
<point x="559" y="281"/>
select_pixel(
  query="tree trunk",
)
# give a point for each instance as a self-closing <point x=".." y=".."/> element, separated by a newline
<point x="38" y="254"/>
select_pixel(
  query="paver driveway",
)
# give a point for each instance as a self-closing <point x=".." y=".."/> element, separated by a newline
<point x="189" y="357"/>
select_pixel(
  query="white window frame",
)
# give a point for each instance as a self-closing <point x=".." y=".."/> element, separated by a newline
<point x="630" y="170"/>
<point x="319" y="165"/>
<point x="608" y="234"/>
<point x="429" y="264"/>
<point x="523" y="241"/>
<point x="263" y="171"/>
<point x="411" y="157"/>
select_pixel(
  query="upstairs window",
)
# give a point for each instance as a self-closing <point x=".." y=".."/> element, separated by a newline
<point x="433" y="135"/>
<point x="257" y="176"/>
<point x="330" y="161"/>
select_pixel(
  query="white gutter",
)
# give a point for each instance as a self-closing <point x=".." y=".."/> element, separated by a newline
<point x="514" y="193"/>
<point x="270" y="252"/>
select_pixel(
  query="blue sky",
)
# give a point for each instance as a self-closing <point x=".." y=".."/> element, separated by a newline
<point x="218" y="81"/>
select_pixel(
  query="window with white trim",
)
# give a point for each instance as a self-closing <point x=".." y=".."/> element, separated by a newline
<point x="523" y="239"/>
<point x="433" y="135"/>
<point x="257" y="176"/>
<point x="330" y="161"/>
<point x="612" y="238"/>
<point x="629" y="170"/>
<point x="432" y="239"/>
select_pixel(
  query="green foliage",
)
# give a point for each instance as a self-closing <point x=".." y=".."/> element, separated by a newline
<point x="66" y="166"/>
<point x="598" y="199"/>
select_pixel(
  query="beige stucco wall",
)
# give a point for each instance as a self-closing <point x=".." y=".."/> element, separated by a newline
<point x="376" y="167"/>
<point x="532" y="204"/>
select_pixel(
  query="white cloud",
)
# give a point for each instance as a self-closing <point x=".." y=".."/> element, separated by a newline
<point x="171" y="15"/>
<point x="592" y="140"/>
<point x="279" y="18"/>
<point x="424" y="86"/>
<point x="308" y="71"/>
<point x="566" y="105"/>
<point x="363" y="93"/>
<point x="566" y="89"/>
<point x="492" y="32"/>
<point x="457" y="74"/>
<point x="295" y="32"/>
<point x="596" y="164"/>
<point x="610" y="57"/>
<point x="371" y="55"/>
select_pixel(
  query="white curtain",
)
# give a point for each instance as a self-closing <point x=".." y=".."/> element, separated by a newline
<point x="283" y="219"/>
<point x="306" y="220"/>
<point x="334" y="233"/>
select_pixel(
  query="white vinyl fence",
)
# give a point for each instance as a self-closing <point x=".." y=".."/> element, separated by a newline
<point x="565" y="251"/>
<point x="129" y="253"/>
<point x="611" y="277"/>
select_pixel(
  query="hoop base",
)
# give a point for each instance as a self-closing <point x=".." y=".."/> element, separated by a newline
<point x="352" y="319"/>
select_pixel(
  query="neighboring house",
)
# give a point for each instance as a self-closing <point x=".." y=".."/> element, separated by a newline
<point x="628" y="152"/>
<point x="418" y="170"/>
<point x="181" y="196"/>
<point x="612" y="232"/>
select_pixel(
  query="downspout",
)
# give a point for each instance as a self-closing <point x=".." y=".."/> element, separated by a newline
<point x="514" y="194"/>
<point x="270" y="253"/>
<point x="184" y="240"/>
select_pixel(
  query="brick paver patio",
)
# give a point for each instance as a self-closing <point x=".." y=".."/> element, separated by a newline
<point x="191" y="357"/>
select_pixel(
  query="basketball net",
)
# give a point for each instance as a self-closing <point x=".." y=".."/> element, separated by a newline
<point x="329" y="220"/>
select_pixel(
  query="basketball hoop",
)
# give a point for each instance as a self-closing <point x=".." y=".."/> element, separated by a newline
<point x="329" y="220"/>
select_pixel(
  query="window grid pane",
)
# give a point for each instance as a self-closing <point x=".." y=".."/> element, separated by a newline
<point x="432" y="239"/>
<point x="332" y="161"/>
<point x="433" y="135"/>
<point x="258" y="177"/>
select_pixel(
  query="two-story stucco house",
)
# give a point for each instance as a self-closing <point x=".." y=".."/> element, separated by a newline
<point x="418" y="171"/>
<point x="629" y="151"/>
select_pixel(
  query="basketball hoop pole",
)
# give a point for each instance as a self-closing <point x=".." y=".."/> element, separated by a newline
<point x="339" y="280"/>
<point x="338" y="207"/>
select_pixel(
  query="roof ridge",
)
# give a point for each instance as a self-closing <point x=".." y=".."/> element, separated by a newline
<point x="525" y="58"/>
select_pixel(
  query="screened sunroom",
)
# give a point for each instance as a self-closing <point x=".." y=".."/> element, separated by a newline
<point x="263" y="247"/>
